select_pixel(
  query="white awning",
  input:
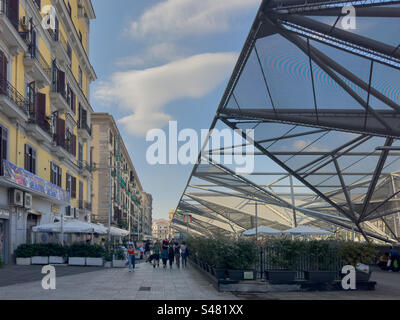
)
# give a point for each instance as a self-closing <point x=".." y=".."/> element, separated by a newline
<point x="116" y="232"/>
<point x="307" y="231"/>
<point x="262" y="230"/>
<point x="73" y="226"/>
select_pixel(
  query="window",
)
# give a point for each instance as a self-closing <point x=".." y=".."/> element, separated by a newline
<point x="68" y="183"/>
<point x="111" y="138"/>
<point x="69" y="52"/>
<point x="30" y="159"/>
<point x="69" y="8"/>
<point x="3" y="146"/>
<point x="71" y="185"/>
<point x="55" y="174"/>
<point x="80" y="155"/>
<point x="80" y="36"/>
<point x="80" y="80"/>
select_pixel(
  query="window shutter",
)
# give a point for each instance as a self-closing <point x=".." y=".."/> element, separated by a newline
<point x="73" y="145"/>
<point x="61" y="82"/>
<point x="26" y="157"/>
<point x="41" y="106"/>
<point x="33" y="161"/>
<point x="59" y="182"/>
<point x="51" y="173"/>
<point x="14" y="6"/>
<point x="3" y="66"/>
<point x="60" y="131"/>
<point x="73" y="191"/>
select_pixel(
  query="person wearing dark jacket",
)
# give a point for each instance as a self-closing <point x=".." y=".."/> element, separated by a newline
<point x="171" y="254"/>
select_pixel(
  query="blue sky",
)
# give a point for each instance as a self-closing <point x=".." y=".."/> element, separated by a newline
<point x="164" y="60"/>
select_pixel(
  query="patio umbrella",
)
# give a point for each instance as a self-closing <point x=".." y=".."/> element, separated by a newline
<point x="116" y="232"/>
<point x="307" y="231"/>
<point x="262" y="231"/>
<point x="73" y="226"/>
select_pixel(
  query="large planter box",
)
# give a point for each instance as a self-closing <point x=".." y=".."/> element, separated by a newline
<point x="320" y="276"/>
<point x="235" y="275"/>
<point x="56" y="260"/>
<point x="119" y="264"/>
<point x="280" y="276"/>
<point x="220" y="273"/>
<point x="23" y="261"/>
<point x="40" y="260"/>
<point x="94" y="262"/>
<point x="77" y="261"/>
<point x="363" y="277"/>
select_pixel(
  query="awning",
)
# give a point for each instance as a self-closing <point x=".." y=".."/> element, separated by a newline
<point x="262" y="230"/>
<point x="117" y="232"/>
<point x="307" y="231"/>
<point x="73" y="226"/>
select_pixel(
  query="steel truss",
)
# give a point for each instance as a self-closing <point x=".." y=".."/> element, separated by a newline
<point x="329" y="126"/>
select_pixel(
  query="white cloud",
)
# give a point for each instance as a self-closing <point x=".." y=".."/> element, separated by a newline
<point x="189" y="17"/>
<point x="300" y="145"/>
<point x="161" y="52"/>
<point x="146" y="92"/>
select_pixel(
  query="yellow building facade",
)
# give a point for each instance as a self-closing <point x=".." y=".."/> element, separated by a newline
<point x="45" y="116"/>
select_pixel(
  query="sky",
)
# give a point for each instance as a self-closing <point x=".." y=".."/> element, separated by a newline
<point x="164" y="60"/>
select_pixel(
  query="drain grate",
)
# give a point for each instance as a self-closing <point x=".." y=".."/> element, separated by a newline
<point x="144" y="288"/>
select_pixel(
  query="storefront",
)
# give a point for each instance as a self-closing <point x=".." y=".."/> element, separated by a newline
<point x="4" y="234"/>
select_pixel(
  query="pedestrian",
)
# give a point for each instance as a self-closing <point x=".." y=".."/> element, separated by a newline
<point x="131" y="258"/>
<point x="141" y="252"/>
<point x="103" y="243"/>
<point x="164" y="253"/>
<point x="177" y="251"/>
<point x="156" y="253"/>
<point x="394" y="259"/>
<point x="183" y="254"/>
<point x="171" y="254"/>
<point x="147" y="249"/>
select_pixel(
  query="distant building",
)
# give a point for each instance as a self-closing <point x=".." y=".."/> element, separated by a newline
<point x="160" y="229"/>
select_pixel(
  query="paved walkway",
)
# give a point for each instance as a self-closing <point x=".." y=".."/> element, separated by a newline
<point x="110" y="284"/>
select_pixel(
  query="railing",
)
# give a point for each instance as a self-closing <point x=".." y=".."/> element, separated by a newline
<point x="34" y="53"/>
<point x="87" y="166"/>
<point x="270" y="259"/>
<point x="83" y="125"/>
<point x="39" y="119"/>
<point x="63" y="143"/>
<point x="9" y="91"/>
<point x="10" y="13"/>
<point x="58" y="37"/>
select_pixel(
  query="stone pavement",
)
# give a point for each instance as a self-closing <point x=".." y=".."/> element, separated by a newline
<point x="119" y="284"/>
<point x="387" y="288"/>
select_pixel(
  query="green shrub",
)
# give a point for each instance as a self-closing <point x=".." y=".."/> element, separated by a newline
<point x="1" y="261"/>
<point x="352" y="253"/>
<point x="24" y="251"/>
<point x="108" y="255"/>
<point x="119" y="254"/>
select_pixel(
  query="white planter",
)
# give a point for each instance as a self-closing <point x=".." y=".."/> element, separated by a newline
<point x="56" y="260"/>
<point x="40" y="260"/>
<point x="76" y="261"/>
<point x="107" y="264"/>
<point x="23" y="261"/>
<point x="119" y="263"/>
<point x="94" y="262"/>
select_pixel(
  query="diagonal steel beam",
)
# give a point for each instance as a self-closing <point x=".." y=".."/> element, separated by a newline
<point x="375" y="179"/>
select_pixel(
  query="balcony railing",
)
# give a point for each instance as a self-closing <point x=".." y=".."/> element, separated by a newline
<point x="9" y="91"/>
<point x="87" y="166"/>
<point x="64" y="143"/>
<point x="34" y="53"/>
<point x="36" y="118"/>
<point x="10" y="13"/>
<point x="83" y="125"/>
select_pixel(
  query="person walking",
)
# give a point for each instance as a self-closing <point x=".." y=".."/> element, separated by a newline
<point x="147" y="249"/>
<point x="164" y="253"/>
<point x="184" y="254"/>
<point x="177" y="251"/>
<point x="131" y="258"/>
<point x="171" y="254"/>
<point x="156" y="253"/>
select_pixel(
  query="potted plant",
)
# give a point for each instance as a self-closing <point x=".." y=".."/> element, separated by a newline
<point x="352" y="253"/>
<point x="241" y="258"/>
<point x="40" y="254"/>
<point x="56" y="253"/>
<point x="108" y="257"/>
<point x="119" y="260"/>
<point x="24" y="254"/>
<point x="95" y="256"/>
<point x="282" y="260"/>
<point x="322" y="261"/>
<point x="77" y="254"/>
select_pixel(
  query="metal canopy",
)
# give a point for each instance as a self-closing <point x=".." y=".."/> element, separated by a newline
<point x="324" y="104"/>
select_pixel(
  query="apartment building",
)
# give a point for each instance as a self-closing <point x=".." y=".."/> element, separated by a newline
<point x="45" y="114"/>
<point x="116" y="185"/>
<point x="160" y="229"/>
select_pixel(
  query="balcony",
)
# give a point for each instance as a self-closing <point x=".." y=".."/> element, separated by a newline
<point x="37" y="67"/>
<point x="84" y="130"/>
<point x="63" y="148"/>
<point x="12" y="103"/>
<point x="38" y="126"/>
<point x="59" y="47"/>
<point x="86" y="169"/>
<point x="58" y="99"/>
<point x="9" y="22"/>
